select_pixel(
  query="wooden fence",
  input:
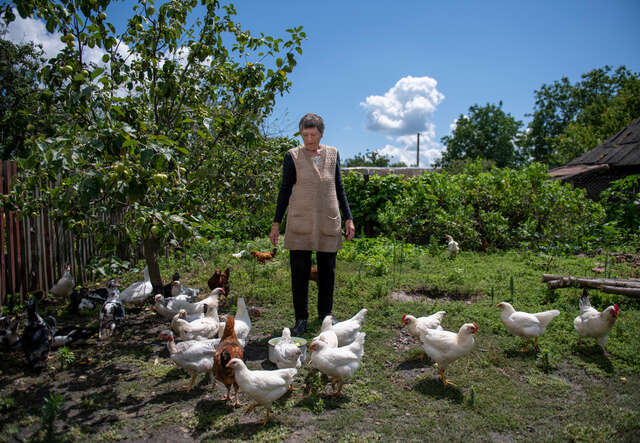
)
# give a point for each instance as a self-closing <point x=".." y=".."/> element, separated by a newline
<point x="35" y="249"/>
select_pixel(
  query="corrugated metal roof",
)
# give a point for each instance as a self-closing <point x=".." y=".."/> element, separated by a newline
<point x="622" y="149"/>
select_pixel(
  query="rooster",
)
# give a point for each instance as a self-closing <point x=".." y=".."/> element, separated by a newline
<point x="445" y="347"/>
<point x="526" y="325"/>
<point x="228" y="349"/>
<point x="591" y="323"/>
<point x="263" y="257"/>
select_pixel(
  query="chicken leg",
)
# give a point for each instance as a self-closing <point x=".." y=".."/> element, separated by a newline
<point x="526" y="346"/>
<point x="193" y="379"/>
<point x="266" y="418"/>
<point x="445" y="382"/>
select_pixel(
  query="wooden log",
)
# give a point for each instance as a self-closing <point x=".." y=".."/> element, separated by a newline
<point x="561" y="281"/>
<point x="619" y="290"/>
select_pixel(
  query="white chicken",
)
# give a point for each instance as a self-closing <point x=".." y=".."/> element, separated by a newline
<point x="264" y="387"/>
<point x="526" y="325"/>
<point x="112" y="312"/>
<point x="347" y="330"/>
<point x="64" y="286"/>
<point x="339" y="364"/>
<point x="243" y="320"/>
<point x="205" y="327"/>
<point x="417" y="326"/>
<point x="287" y="353"/>
<point x="195" y="357"/>
<point x="168" y="307"/>
<point x="139" y="291"/>
<point x="591" y="323"/>
<point x="445" y="347"/>
<point x="329" y="337"/>
<point x="452" y="246"/>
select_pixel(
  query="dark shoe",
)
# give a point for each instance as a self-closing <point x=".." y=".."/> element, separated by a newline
<point x="299" y="329"/>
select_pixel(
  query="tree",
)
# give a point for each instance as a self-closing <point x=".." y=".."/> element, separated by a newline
<point x="486" y="132"/>
<point x="24" y="108"/>
<point x="371" y="158"/>
<point x="153" y="139"/>
<point x="571" y="119"/>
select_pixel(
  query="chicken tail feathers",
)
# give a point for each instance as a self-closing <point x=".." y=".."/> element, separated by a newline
<point x="584" y="303"/>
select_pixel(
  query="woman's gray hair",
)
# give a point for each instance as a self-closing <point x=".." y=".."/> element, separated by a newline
<point x="311" y="121"/>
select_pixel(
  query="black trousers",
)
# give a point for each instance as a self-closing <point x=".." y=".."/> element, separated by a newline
<point x="300" y="268"/>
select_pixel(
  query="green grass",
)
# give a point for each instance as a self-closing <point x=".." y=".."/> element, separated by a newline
<point x="564" y="392"/>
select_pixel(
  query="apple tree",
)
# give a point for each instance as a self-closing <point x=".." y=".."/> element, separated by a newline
<point x="162" y="132"/>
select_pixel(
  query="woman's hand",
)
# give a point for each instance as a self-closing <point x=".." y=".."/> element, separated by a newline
<point x="275" y="233"/>
<point x="350" y="229"/>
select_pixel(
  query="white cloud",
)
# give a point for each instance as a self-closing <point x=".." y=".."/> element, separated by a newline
<point x="23" y="30"/>
<point x="404" y="109"/>
<point x="403" y="149"/>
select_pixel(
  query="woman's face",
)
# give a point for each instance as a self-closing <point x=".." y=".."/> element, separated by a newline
<point x="311" y="138"/>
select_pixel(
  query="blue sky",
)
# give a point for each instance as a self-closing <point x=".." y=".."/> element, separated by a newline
<point x="378" y="72"/>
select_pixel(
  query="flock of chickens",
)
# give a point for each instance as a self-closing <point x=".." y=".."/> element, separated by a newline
<point x="444" y="347"/>
<point x="214" y="344"/>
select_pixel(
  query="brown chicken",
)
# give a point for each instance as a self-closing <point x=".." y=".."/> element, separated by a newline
<point x="220" y="279"/>
<point x="313" y="275"/>
<point x="263" y="257"/>
<point x="228" y="349"/>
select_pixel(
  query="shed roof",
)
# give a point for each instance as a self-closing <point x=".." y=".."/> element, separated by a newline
<point x="622" y="149"/>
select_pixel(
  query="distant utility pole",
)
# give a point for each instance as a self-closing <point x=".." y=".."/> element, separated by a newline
<point x="418" y="153"/>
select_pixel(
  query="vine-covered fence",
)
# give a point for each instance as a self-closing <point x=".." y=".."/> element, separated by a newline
<point x="35" y="249"/>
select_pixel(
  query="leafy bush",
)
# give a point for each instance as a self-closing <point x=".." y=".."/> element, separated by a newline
<point x="378" y="254"/>
<point x="502" y="208"/>
<point x="367" y="196"/>
<point x="622" y="207"/>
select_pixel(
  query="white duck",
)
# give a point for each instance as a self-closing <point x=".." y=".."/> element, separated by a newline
<point x="287" y="353"/>
<point x="347" y="330"/>
<point x="63" y="287"/>
<point x="526" y="325"/>
<point x="195" y="357"/>
<point x="338" y="363"/>
<point x="445" y="347"/>
<point x="139" y="291"/>
<point x="264" y="387"/>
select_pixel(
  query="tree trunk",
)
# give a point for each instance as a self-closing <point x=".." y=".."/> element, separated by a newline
<point x="610" y="285"/>
<point x="151" y="247"/>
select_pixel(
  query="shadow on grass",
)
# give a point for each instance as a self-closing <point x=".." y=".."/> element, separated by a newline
<point x="415" y="363"/>
<point x="207" y="413"/>
<point x="593" y="354"/>
<point x="257" y="350"/>
<point x="433" y="387"/>
<point x="244" y="431"/>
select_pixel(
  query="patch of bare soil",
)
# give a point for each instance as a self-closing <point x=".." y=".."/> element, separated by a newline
<point x="427" y="294"/>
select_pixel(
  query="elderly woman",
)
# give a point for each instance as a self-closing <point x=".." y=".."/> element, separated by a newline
<point x="312" y="188"/>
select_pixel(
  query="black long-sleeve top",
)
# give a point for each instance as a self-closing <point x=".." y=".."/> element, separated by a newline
<point x="289" y="179"/>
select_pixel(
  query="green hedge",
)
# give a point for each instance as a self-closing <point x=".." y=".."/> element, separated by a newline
<point x="502" y="208"/>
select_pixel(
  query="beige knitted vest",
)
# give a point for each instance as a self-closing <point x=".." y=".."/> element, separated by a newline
<point x="313" y="219"/>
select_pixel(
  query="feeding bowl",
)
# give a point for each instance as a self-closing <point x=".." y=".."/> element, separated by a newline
<point x="301" y="342"/>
